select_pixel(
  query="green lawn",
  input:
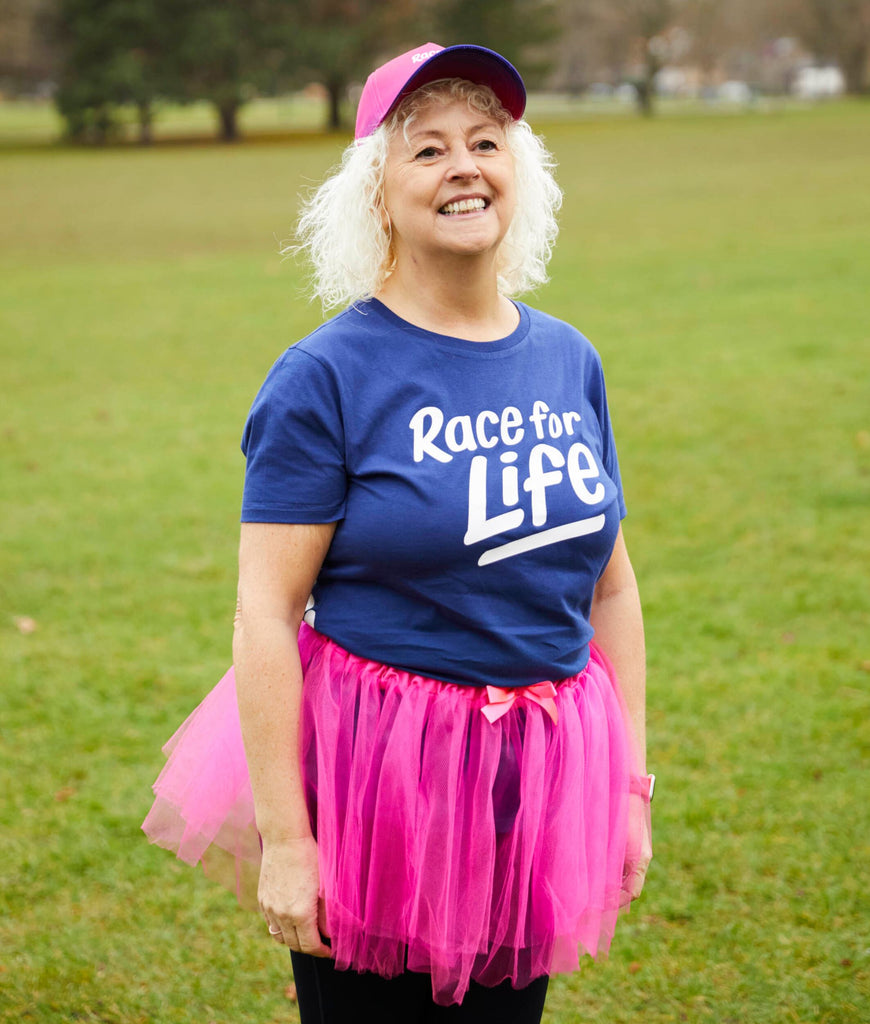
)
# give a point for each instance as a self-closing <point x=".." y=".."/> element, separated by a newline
<point x="722" y="267"/>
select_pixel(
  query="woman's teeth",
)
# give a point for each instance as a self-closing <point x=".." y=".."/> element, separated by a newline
<point x="464" y="206"/>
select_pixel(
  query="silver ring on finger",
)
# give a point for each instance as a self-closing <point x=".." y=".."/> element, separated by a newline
<point x="273" y="932"/>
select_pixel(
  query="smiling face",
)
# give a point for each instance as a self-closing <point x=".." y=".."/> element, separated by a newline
<point x="448" y="183"/>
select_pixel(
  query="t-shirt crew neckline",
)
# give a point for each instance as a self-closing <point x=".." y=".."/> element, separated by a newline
<point x="459" y="346"/>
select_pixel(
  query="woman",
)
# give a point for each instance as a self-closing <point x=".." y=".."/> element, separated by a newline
<point x="448" y="783"/>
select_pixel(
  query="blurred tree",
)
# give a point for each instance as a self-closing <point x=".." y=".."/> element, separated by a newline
<point x="728" y="40"/>
<point x="28" y="61"/>
<point x="636" y="35"/>
<point x="112" y="54"/>
<point x="225" y="51"/>
<point x="118" y="52"/>
<point x="107" y="54"/>
<point x="832" y="31"/>
<point x="705" y="22"/>
<point x="648" y="20"/>
<point x="589" y="49"/>
<point x="839" y="31"/>
<point x="518" y="29"/>
<point x="337" y="42"/>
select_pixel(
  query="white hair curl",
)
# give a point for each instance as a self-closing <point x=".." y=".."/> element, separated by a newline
<point x="343" y="228"/>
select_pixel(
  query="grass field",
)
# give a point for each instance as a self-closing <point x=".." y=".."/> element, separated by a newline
<point x="722" y="267"/>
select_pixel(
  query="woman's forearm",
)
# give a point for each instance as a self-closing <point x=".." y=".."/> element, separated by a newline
<point x="278" y="564"/>
<point x="618" y="623"/>
<point x="269" y="686"/>
<point x="618" y="629"/>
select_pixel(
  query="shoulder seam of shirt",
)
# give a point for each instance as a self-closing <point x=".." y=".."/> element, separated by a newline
<point x="311" y="355"/>
<point x="336" y="382"/>
<point x="312" y="334"/>
<point x="572" y="328"/>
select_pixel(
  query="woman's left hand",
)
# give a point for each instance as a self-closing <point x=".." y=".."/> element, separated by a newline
<point x="638" y="848"/>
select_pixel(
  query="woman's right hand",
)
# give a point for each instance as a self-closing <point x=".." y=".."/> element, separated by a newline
<point x="289" y="895"/>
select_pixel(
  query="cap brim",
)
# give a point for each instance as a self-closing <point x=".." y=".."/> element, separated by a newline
<point x="475" y="64"/>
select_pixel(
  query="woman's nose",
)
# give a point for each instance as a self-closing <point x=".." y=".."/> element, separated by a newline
<point x="463" y="164"/>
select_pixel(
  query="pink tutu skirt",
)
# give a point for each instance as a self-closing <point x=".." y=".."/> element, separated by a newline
<point x="464" y="832"/>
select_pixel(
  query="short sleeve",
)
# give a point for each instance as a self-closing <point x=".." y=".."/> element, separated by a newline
<point x="598" y="398"/>
<point x="294" y="446"/>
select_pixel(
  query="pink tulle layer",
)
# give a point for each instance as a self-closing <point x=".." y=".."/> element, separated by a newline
<point x="448" y="844"/>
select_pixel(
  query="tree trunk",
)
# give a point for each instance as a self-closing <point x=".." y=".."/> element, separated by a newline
<point x="334" y="91"/>
<point x="102" y="125"/>
<point x="146" y="120"/>
<point x="643" y="87"/>
<point x="646" y="86"/>
<point x="228" y="112"/>
<point x="854" y="68"/>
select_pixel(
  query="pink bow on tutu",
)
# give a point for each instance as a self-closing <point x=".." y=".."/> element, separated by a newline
<point x="501" y="701"/>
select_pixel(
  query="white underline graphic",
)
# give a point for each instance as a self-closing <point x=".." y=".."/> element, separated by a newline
<point x="540" y="540"/>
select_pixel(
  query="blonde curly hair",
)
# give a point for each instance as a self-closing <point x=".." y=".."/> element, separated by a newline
<point x="341" y="227"/>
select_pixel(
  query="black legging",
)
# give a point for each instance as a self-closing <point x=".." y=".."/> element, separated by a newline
<point x="328" y="996"/>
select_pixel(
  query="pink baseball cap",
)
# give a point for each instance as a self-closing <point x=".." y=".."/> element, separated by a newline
<point x="402" y="75"/>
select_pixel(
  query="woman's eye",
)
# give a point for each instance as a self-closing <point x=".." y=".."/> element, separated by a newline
<point x="487" y="145"/>
<point x="427" y="153"/>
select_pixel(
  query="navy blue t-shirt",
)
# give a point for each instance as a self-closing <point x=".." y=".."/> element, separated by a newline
<point x="475" y="487"/>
